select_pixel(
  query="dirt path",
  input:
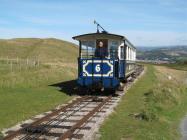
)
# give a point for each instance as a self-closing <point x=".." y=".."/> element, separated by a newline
<point x="183" y="125"/>
<point x="183" y="128"/>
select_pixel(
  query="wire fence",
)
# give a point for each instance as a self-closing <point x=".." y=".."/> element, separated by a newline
<point x="32" y="72"/>
<point x="15" y="64"/>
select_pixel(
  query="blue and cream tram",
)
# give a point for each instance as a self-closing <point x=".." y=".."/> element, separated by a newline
<point x="104" y="60"/>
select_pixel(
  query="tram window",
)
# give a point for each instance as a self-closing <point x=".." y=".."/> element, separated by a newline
<point x="122" y="52"/>
<point x="101" y="48"/>
<point x="88" y="49"/>
<point x="113" y="48"/>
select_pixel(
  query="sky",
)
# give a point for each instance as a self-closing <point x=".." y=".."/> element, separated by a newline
<point x="143" y="22"/>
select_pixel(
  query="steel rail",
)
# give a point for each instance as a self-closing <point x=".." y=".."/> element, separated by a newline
<point x="45" y="118"/>
<point x="52" y="120"/>
<point x="70" y="132"/>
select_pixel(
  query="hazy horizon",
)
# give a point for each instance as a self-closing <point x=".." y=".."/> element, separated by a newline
<point x="159" y="46"/>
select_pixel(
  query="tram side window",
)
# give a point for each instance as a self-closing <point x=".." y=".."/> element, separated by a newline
<point x="87" y="49"/>
<point x="122" y="51"/>
<point x="113" y="49"/>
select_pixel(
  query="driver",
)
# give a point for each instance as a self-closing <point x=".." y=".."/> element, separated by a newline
<point x="101" y="51"/>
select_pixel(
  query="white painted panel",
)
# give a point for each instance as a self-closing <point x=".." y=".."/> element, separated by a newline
<point x="131" y="54"/>
<point x="128" y="53"/>
<point x="127" y="56"/>
<point x="135" y="55"/>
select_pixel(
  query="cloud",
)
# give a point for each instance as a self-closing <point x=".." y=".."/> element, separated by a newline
<point x="158" y="22"/>
<point x="52" y="21"/>
<point x="156" y="38"/>
<point x="32" y="32"/>
<point x="138" y="38"/>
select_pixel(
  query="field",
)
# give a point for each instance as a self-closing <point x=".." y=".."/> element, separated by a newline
<point x="178" y="66"/>
<point x="29" y="79"/>
<point x="151" y="109"/>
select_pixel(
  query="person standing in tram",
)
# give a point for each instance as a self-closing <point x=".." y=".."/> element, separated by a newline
<point x="101" y="51"/>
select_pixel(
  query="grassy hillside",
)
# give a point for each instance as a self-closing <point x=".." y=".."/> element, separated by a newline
<point x="42" y="49"/>
<point x="25" y="84"/>
<point x="151" y="109"/>
<point x="178" y="66"/>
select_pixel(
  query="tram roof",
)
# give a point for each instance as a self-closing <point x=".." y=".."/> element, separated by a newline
<point x="97" y="35"/>
<point x="102" y="35"/>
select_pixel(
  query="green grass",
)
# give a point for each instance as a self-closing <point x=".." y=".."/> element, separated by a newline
<point x="178" y="66"/>
<point x="47" y="50"/>
<point x="27" y="92"/>
<point x="150" y="110"/>
<point x="1" y="136"/>
<point x="21" y="103"/>
<point x="25" y="88"/>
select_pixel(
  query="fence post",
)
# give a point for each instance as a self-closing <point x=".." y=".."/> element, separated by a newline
<point x="38" y="63"/>
<point x="17" y="60"/>
<point x="27" y="63"/>
<point x="11" y="68"/>
<point x="7" y="59"/>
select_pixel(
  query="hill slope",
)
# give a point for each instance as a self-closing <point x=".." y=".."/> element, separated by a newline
<point x="34" y="48"/>
<point x="26" y="87"/>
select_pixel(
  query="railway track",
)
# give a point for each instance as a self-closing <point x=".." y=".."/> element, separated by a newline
<point x="73" y="121"/>
<point x="64" y="122"/>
